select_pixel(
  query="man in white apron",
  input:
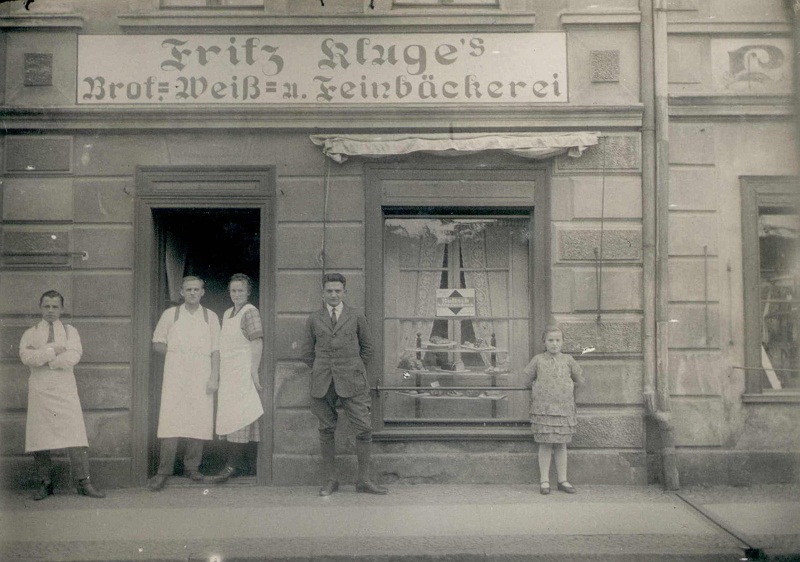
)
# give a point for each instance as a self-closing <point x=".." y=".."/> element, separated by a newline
<point x="55" y="418"/>
<point x="189" y="336"/>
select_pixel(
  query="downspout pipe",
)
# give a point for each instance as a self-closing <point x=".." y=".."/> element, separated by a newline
<point x="655" y="226"/>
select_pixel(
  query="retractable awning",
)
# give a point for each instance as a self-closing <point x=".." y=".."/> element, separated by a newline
<point x="527" y="145"/>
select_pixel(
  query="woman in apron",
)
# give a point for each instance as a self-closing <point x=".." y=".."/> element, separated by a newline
<point x="238" y="400"/>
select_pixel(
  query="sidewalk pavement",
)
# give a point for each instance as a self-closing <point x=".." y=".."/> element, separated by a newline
<point x="234" y="522"/>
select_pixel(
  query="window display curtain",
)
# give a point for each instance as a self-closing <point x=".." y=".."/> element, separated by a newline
<point x="473" y="254"/>
<point x="430" y="253"/>
<point x="527" y="145"/>
<point x="175" y="263"/>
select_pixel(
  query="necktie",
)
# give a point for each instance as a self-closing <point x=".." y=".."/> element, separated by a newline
<point x="51" y="334"/>
<point x="333" y="317"/>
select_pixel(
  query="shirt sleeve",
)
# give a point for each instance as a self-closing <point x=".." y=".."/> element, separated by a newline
<point x="164" y="324"/>
<point x="251" y="324"/>
<point x="72" y="355"/>
<point x="33" y="357"/>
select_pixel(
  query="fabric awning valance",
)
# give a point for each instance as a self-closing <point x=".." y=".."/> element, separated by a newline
<point x="526" y="145"/>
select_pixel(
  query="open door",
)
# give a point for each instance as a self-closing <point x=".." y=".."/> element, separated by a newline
<point x="209" y="221"/>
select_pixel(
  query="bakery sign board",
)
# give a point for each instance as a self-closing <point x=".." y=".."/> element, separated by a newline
<point x="375" y="68"/>
<point x="455" y="302"/>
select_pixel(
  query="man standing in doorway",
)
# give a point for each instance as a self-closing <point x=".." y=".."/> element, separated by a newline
<point x="55" y="419"/>
<point x="337" y="347"/>
<point x="189" y="336"/>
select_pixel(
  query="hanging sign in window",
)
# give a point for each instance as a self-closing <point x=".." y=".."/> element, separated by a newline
<point x="455" y="302"/>
<point x="322" y="69"/>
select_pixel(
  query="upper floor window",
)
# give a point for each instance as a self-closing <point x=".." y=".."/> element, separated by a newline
<point x="772" y="284"/>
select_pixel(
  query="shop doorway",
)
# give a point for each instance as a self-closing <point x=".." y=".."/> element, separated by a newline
<point x="213" y="244"/>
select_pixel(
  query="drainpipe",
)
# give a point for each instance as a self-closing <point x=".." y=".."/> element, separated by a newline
<point x="655" y="226"/>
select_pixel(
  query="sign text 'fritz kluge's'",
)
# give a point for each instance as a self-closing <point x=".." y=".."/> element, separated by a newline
<point x="322" y="69"/>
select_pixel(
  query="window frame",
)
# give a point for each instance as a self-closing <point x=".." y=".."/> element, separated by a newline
<point x="378" y="199"/>
<point x="757" y="192"/>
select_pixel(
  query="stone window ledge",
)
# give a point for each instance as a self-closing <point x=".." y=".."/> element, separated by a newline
<point x="150" y="22"/>
<point x="42" y="22"/>
<point x="773" y="397"/>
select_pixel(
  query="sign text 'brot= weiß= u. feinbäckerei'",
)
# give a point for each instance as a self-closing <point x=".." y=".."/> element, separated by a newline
<point x="322" y="69"/>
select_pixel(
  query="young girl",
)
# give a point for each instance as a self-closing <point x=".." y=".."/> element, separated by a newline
<point x="552" y="377"/>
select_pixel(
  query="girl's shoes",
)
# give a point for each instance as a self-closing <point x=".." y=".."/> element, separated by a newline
<point x="544" y="488"/>
<point x="566" y="487"/>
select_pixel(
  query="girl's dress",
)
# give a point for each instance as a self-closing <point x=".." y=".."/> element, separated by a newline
<point x="553" y="414"/>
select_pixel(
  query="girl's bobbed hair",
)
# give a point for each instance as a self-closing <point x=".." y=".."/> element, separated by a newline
<point x="550" y="329"/>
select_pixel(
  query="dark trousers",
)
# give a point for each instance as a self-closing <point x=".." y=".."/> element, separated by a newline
<point x="78" y="461"/>
<point x="169" y="451"/>
<point x="356" y="408"/>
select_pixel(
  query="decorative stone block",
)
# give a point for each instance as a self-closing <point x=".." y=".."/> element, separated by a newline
<point x="605" y="66"/>
<point x="14" y="386"/>
<point x="12" y="428"/>
<point x="613" y="296"/>
<point x="292" y="385"/>
<point x="609" y="430"/>
<point x="691" y="144"/>
<point x="106" y="248"/>
<point x="38" y="154"/>
<point x="615" y="152"/>
<point x="289" y="339"/>
<point x="10" y="334"/>
<point x="109" y="433"/>
<point x="301" y="291"/>
<point x="105" y="342"/>
<point x="687" y="279"/>
<point x="38" y="68"/>
<point x="303" y="199"/>
<point x="106" y="294"/>
<point x="20" y="292"/>
<point x="694" y="327"/>
<point x="103" y="201"/>
<point x="696" y="373"/>
<point x="118" y="155"/>
<point x="40" y="199"/>
<point x="606" y="336"/>
<point x="771" y="427"/>
<point x="610" y="383"/>
<point x="698" y="421"/>
<point x="693" y="188"/>
<point x="104" y="388"/>
<point x="618" y="244"/>
<point x="37" y="247"/>
<point x="299" y="246"/>
<point x="689" y="233"/>
<point x="226" y="148"/>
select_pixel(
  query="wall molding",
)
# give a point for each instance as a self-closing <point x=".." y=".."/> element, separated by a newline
<point x="734" y="27"/>
<point x="58" y="22"/>
<point x="601" y="18"/>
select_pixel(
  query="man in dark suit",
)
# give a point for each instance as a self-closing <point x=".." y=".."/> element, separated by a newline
<point x="337" y="347"/>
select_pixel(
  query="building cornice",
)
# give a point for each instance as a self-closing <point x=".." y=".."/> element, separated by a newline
<point x="708" y="107"/>
<point x="42" y="22"/>
<point x="326" y="119"/>
<point x="356" y="23"/>
<point x="601" y="18"/>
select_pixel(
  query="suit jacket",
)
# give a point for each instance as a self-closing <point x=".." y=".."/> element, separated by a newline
<point x="337" y="354"/>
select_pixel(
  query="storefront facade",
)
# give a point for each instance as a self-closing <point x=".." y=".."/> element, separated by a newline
<point x="632" y="176"/>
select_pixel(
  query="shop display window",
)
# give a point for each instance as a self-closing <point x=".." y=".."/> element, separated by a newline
<point x="456" y="318"/>
<point x="771" y="251"/>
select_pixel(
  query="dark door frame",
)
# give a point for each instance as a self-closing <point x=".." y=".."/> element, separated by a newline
<point x="197" y="187"/>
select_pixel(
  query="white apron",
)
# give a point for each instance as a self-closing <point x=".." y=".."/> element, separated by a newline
<point x="55" y="418"/>
<point x="238" y="402"/>
<point x="186" y="409"/>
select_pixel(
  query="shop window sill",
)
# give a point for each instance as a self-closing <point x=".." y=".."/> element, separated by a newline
<point x="783" y="396"/>
<point x="514" y="433"/>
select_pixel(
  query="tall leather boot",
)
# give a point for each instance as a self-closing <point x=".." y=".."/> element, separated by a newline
<point x="328" y="467"/>
<point x="364" y="485"/>
<point x="79" y="460"/>
<point x="44" y="470"/>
